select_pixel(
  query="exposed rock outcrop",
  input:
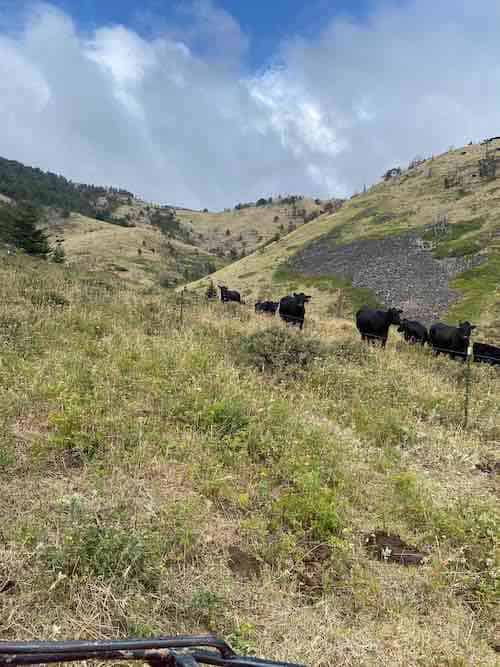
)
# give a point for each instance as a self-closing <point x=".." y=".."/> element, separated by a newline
<point x="400" y="270"/>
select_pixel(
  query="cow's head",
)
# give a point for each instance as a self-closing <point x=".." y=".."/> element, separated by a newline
<point x="394" y="315"/>
<point x="301" y="298"/>
<point x="466" y="328"/>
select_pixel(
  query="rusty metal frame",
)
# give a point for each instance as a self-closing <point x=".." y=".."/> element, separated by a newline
<point x="179" y="651"/>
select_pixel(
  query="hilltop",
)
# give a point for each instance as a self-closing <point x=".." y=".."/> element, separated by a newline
<point x="426" y="238"/>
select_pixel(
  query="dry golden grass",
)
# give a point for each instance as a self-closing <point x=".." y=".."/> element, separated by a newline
<point x="136" y="451"/>
<point x="139" y="255"/>
<point x="220" y="232"/>
<point x="248" y="227"/>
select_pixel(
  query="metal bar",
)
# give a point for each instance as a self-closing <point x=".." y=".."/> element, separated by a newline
<point x="106" y="646"/>
<point x="48" y="658"/>
<point x="213" y="659"/>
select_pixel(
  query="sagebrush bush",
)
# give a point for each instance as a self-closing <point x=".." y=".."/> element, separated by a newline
<point x="280" y="350"/>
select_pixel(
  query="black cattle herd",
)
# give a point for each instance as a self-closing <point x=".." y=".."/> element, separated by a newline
<point x="373" y="325"/>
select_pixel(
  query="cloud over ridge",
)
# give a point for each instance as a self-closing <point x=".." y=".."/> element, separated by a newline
<point x="179" y="123"/>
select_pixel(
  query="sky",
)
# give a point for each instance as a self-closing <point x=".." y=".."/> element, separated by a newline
<point x="206" y="103"/>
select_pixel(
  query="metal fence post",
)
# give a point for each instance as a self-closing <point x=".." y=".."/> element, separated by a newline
<point x="468" y="374"/>
<point x="181" y="314"/>
<point x="340" y="304"/>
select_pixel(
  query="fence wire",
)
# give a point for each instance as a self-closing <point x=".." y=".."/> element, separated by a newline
<point x="467" y="357"/>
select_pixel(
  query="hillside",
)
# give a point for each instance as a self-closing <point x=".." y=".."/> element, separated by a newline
<point x="234" y="232"/>
<point x="42" y="188"/>
<point x="140" y="255"/>
<point x="223" y="473"/>
<point x="195" y="242"/>
<point x="430" y="246"/>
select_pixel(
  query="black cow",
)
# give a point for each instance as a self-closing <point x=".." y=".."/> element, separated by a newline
<point x="453" y="341"/>
<point x="229" y="295"/>
<point x="413" y="331"/>
<point x="267" y="307"/>
<point x="374" y="325"/>
<point x="487" y="354"/>
<point x="291" y="308"/>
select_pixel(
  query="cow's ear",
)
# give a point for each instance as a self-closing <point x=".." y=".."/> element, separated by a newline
<point x="473" y="326"/>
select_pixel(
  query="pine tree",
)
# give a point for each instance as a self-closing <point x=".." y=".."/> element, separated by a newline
<point x="23" y="230"/>
<point x="26" y="232"/>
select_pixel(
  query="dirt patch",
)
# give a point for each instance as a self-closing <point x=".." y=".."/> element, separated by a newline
<point x="8" y="586"/>
<point x="312" y="573"/>
<point x="401" y="271"/>
<point x="243" y="564"/>
<point x="392" y="548"/>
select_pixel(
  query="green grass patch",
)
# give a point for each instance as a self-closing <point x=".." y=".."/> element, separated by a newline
<point x="478" y="287"/>
<point x="460" y="240"/>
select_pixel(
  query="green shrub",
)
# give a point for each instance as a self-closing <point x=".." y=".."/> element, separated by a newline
<point x="58" y="255"/>
<point x="280" y="350"/>
<point x="309" y="508"/>
<point x="101" y="551"/>
<point x="72" y="437"/>
<point x="226" y="418"/>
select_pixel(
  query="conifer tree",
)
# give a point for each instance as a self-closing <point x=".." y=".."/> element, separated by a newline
<point x="20" y="227"/>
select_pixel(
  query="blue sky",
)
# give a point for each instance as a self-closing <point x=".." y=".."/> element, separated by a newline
<point x="211" y="102"/>
<point x="265" y="22"/>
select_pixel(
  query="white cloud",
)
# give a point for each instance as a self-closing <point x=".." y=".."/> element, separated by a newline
<point x="173" y="118"/>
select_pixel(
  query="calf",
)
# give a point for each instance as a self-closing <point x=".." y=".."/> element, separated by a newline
<point x="485" y="353"/>
<point x="229" y="295"/>
<point x="291" y="308"/>
<point x="374" y="325"/>
<point x="413" y="332"/>
<point x="267" y="307"/>
<point x="453" y="341"/>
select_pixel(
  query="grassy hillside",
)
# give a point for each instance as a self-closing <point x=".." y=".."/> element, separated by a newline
<point x="140" y="255"/>
<point x="417" y="200"/>
<point x="230" y="233"/>
<point x="222" y="473"/>
<point x="248" y="228"/>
